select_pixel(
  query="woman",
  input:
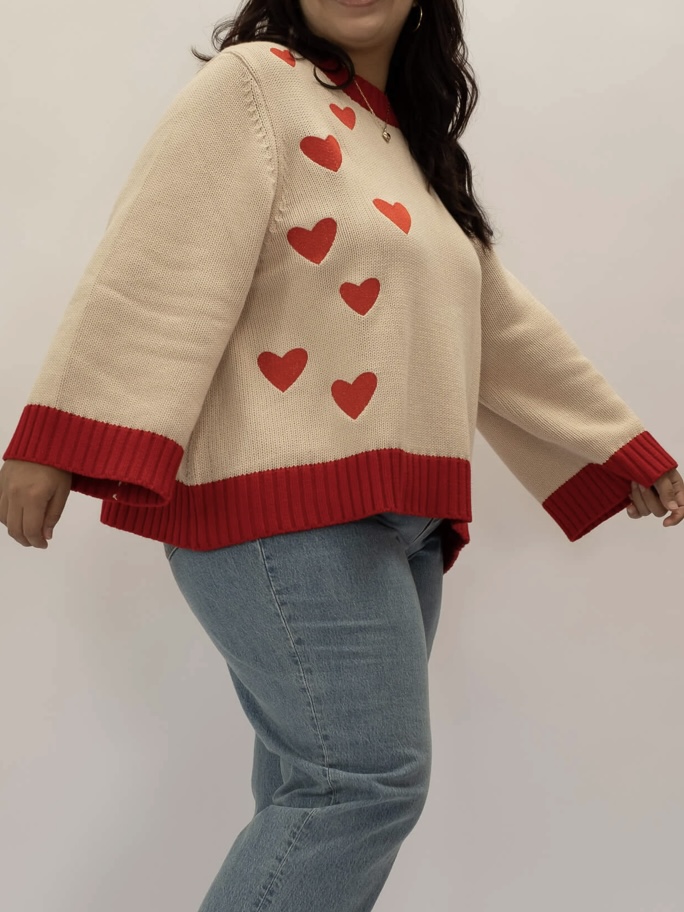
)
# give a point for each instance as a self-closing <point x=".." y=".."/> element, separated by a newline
<point x="275" y="364"/>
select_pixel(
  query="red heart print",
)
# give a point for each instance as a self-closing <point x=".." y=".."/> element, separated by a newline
<point x="314" y="244"/>
<point x="282" y="372"/>
<point x="360" y="297"/>
<point x="396" y="213"/>
<point x="325" y="152"/>
<point x="346" y="115"/>
<point x="284" y="54"/>
<point x="352" y="398"/>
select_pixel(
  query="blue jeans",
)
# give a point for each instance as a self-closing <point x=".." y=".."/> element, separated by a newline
<point x="326" y="634"/>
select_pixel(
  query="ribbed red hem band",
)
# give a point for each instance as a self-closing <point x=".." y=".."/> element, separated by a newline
<point x="134" y="473"/>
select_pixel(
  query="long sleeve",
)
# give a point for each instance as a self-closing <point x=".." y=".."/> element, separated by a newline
<point x="127" y="372"/>
<point x="550" y="416"/>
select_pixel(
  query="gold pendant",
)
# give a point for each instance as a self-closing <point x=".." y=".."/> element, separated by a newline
<point x="386" y="136"/>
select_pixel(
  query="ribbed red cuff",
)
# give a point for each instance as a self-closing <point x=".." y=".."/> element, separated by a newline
<point x="598" y="492"/>
<point x="107" y="461"/>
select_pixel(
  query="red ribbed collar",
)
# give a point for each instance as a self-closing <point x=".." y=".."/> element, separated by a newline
<point x="378" y="100"/>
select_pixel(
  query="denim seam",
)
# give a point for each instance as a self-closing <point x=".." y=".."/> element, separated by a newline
<point x="422" y="531"/>
<point x="301" y="670"/>
<point x="284" y="858"/>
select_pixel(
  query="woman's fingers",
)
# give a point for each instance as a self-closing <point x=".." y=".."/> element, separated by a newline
<point x="638" y="508"/>
<point x="653" y="502"/>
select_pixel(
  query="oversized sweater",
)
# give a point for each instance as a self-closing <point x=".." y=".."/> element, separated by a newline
<point x="284" y="328"/>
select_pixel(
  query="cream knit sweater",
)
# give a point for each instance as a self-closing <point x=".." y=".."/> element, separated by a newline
<point x="283" y="328"/>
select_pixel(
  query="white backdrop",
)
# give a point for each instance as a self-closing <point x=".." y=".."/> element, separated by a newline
<point x="557" y="678"/>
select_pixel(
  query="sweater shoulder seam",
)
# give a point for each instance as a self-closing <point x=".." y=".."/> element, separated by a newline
<point x="264" y="123"/>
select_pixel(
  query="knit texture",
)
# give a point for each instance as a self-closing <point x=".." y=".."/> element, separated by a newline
<point x="283" y="328"/>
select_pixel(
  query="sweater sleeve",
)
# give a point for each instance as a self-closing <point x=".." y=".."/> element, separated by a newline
<point x="550" y="416"/>
<point x="126" y="374"/>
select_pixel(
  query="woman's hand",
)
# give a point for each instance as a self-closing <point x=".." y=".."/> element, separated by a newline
<point x="669" y="496"/>
<point x="32" y="498"/>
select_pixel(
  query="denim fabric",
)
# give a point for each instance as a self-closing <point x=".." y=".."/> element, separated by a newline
<point x="326" y="634"/>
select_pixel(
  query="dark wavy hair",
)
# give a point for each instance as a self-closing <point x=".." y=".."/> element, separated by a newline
<point x="430" y="86"/>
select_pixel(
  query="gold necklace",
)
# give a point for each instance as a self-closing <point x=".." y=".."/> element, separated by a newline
<point x="385" y="134"/>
